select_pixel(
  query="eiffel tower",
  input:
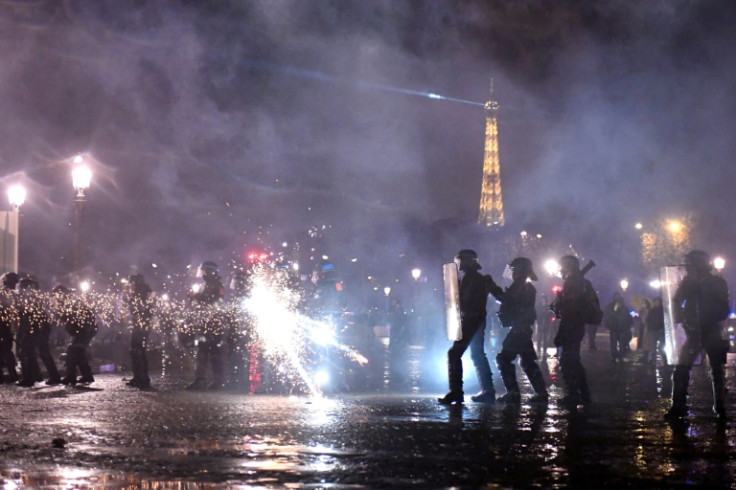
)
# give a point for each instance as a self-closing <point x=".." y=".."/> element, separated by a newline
<point x="491" y="202"/>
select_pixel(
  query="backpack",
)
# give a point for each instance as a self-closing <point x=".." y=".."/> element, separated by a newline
<point x="590" y="310"/>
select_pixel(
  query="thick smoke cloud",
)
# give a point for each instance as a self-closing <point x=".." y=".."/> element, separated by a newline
<point x="220" y="125"/>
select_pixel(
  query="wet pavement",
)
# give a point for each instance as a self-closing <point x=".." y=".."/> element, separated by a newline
<point x="111" y="436"/>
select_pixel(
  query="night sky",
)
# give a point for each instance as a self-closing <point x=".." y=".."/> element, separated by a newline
<point x="217" y="126"/>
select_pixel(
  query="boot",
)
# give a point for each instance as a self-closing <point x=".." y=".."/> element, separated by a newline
<point x="680" y="381"/>
<point x="484" y="397"/>
<point x="541" y="398"/>
<point x="453" y="397"/>
<point x="583" y="387"/>
<point x="510" y="397"/>
<point x="536" y="380"/>
<point x="508" y="377"/>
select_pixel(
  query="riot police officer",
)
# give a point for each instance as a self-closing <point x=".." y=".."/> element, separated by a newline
<point x="700" y="303"/>
<point x="79" y="321"/>
<point x="137" y="299"/>
<point x="239" y="335"/>
<point x="518" y="313"/>
<point x="8" y="322"/>
<point x="473" y="298"/>
<point x="210" y="325"/>
<point x="568" y="306"/>
<point x="32" y="339"/>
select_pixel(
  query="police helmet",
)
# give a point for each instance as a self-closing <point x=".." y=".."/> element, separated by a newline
<point x="136" y="279"/>
<point x="10" y="280"/>
<point x="698" y="259"/>
<point x="524" y="265"/>
<point x="207" y="269"/>
<point x="569" y="263"/>
<point x="28" y="283"/>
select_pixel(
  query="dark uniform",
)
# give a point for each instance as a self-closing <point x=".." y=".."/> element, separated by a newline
<point x="140" y="314"/>
<point x="34" y="329"/>
<point x="518" y="312"/>
<point x="79" y="321"/>
<point x="655" y="330"/>
<point x="210" y="325"/>
<point x="569" y="307"/>
<point x="700" y="304"/>
<point x="239" y="335"/>
<point x="473" y="299"/>
<point x="618" y="321"/>
<point x="8" y="322"/>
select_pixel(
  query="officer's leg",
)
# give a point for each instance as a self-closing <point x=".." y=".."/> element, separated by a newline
<point x="717" y="350"/>
<point x="200" y="369"/>
<point x="480" y="360"/>
<point x="455" y="372"/>
<point x="532" y="371"/>
<point x="34" y="371"/>
<point x="70" y="377"/>
<point x="215" y="355"/>
<point x="44" y="352"/>
<point x="570" y="366"/>
<point x="614" y="345"/>
<point x="505" y="365"/>
<point x="84" y="368"/>
<point x="680" y="381"/>
<point x="8" y="358"/>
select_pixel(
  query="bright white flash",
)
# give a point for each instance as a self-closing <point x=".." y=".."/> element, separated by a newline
<point x="321" y="377"/>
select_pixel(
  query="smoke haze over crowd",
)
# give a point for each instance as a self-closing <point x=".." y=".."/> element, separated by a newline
<point x="213" y="126"/>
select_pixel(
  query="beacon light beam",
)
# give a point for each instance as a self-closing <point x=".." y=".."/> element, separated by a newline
<point x="324" y="77"/>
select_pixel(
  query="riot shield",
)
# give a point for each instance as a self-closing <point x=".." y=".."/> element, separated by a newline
<point x="452" y="302"/>
<point x="680" y="347"/>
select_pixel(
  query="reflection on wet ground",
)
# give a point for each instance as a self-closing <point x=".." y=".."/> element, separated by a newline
<point x="115" y="437"/>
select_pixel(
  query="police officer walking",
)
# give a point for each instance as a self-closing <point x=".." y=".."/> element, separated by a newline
<point x="79" y="321"/>
<point x="140" y="313"/>
<point x="518" y="312"/>
<point x="618" y="321"/>
<point x="569" y="307"/>
<point x="8" y="322"/>
<point x="210" y="325"/>
<point x="33" y="335"/>
<point x="700" y="303"/>
<point x="473" y="298"/>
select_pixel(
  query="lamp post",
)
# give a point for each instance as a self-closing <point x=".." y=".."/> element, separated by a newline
<point x="624" y="285"/>
<point x="81" y="179"/>
<point x="16" y="197"/>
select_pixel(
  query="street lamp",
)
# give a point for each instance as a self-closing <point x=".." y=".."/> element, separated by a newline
<point x="624" y="285"/>
<point x="9" y="226"/>
<point x="416" y="274"/>
<point x="16" y="196"/>
<point x="81" y="179"/>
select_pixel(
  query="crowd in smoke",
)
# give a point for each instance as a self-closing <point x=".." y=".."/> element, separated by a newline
<point x="268" y="325"/>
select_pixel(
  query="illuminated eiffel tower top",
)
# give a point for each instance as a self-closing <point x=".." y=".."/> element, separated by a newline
<point x="491" y="202"/>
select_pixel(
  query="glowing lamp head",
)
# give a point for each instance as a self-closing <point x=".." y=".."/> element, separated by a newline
<point x="16" y="195"/>
<point x="81" y="178"/>
<point x="416" y="274"/>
